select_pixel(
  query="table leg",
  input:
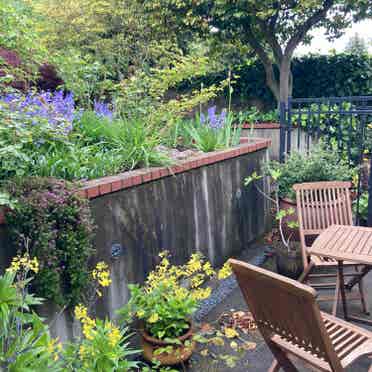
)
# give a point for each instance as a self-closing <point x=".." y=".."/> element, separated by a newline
<point x="340" y="278"/>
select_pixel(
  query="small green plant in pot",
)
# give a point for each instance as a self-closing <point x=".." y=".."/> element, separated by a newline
<point x="287" y="252"/>
<point x="165" y="304"/>
<point x="320" y="164"/>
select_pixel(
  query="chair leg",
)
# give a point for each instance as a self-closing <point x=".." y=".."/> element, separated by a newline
<point x="363" y="297"/>
<point x="275" y="367"/>
<point x="306" y="272"/>
<point x="282" y="359"/>
<point x="337" y="296"/>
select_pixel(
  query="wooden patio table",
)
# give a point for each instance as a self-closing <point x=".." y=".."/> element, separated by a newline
<point x="346" y="243"/>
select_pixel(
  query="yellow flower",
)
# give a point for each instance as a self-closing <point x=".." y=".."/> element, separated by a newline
<point x="181" y="293"/>
<point x="197" y="280"/>
<point x="114" y="336"/>
<point x="102" y="265"/>
<point x="101" y="273"/>
<point x="153" y="318"/>
<point x="225" y="271"/>
<point x="88" y="325"/>
<point x="23" y="262"/>
<point x="230" y="332"/>
<point x="194" y="264"/>
<point x="34" y="265"/>
<point x="81" y="312"/>
<point x="140" y="313"/>
<point x="201" y="293"/>
<point x="207" y="267"/>
<point x="82" y="351"/>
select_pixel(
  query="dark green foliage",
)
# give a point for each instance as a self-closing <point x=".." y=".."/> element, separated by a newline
<point x="332" y="76"/>
<point x="321" y="164"/>
<point x="57" y="226"/>
<point x="314" y="76"/>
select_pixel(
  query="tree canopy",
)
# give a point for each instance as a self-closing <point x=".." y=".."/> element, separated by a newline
<point x="272" y="28"/>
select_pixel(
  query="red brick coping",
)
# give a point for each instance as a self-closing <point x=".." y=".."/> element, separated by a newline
<point x="261" y="126"/>
<point x="106" y="185"/>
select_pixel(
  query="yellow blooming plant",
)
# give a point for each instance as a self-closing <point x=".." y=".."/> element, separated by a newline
<point x="24" y="264"/>
<point x="25" y="341"/>
<point x="170" y="296"/>
<point x="103" y="347"/>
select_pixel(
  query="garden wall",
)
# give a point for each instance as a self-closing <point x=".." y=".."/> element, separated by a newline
<point x="271" y="131"/>
<point x="200" y="204"/>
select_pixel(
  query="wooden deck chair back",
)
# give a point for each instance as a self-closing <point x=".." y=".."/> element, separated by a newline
<point x="319" y="205"/>
<point x="285" y="308"/>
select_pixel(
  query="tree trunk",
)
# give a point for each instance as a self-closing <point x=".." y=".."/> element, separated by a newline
<point x="284" y="86"/>
<point x="271" y="81"/>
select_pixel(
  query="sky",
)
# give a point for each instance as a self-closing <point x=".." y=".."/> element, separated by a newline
<point x="321" y="45"/>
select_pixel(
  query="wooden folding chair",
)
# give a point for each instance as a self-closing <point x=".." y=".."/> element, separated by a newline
<point x="319" y="205"/>
<point x="289" y="319"/>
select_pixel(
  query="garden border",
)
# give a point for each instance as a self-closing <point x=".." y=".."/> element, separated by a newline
<point x="261" y="125"/>
<point x="106" y="185"/>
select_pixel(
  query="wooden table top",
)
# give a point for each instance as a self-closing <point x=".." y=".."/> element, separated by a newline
<point x="344" y="243"/>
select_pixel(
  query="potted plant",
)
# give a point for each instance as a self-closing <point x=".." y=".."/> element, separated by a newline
<point x="164" y="306"/>
<point x="318" y="165"/>
<point x="288" y="256"/>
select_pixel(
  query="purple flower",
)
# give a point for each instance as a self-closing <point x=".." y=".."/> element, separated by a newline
<point x="58" y="109"/>
<point x="214" y="120"/>
<point x="103" y="110"/>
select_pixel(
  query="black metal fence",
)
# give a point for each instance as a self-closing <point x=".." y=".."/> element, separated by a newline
<point x="343" y="123"/>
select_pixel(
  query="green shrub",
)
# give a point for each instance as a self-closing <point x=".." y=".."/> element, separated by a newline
<point x="351" y="76"/>
<point x="56" y="227"/>
<point x="320" y="164"/>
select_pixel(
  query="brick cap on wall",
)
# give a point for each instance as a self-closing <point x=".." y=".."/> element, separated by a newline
<point x="261" y="126"/>
<point x="106" y="185"/>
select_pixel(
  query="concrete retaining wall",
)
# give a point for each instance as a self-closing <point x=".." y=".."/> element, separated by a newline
<point x="271" y="131"/>
<point x="198" y="205"/>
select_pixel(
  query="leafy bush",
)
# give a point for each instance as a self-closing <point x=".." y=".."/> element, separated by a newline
<point x="56" y="227"/>
<point x="320" y="164"/>
<point x="253" y="116"/>
<point x="363" y="206"/>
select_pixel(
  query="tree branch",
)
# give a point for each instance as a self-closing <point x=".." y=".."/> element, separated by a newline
<point x="269" y="33"/>
<point x="306" y="26"/>
<point x="266" y="61"/>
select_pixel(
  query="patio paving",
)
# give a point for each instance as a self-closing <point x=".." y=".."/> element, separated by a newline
<point x="260" y="358"/>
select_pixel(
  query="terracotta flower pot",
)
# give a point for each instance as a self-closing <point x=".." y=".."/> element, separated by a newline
<point x="180" y="353"/>
<point x="288" y="263"/>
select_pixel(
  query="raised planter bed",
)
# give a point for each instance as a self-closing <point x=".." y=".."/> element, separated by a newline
<point x="199" y="204"/>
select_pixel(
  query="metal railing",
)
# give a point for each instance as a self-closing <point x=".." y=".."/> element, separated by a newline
<point x="343" y="123"/>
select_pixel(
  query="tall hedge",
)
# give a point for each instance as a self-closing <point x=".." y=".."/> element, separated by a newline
<point x="314" y="76"/>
